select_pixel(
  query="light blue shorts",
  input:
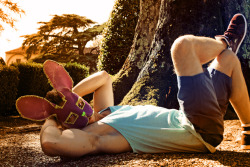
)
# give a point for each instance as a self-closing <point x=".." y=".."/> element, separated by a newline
<point x="152" y="129"/>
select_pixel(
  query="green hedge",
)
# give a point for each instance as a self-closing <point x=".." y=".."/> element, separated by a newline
<point x="32" y="80"/>
<point x="8" y="89"/>
<point x="2" y="62"/>
<point x="89" y="60"/>
<point x="77" y="71"/>
<point x="29" y="79"/>
<point x="118" y="36"/>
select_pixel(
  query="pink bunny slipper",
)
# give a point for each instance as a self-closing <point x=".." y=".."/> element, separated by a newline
<point x="74" y="113"/>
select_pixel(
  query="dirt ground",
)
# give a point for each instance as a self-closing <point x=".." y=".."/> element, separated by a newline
<point x="19" y="146"/>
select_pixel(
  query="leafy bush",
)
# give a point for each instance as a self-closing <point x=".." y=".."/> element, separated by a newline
<point x="89" y="60"/>
<point x="43" y="57"/>
<point x="2" y="62"/>
<point x="8" y="89"/>
<point x="118" y="36"/>
<point x="29" y="79"/>
<point x="32" y="80"/>
<point x="77" y="71"/>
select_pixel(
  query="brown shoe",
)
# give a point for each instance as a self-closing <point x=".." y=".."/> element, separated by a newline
<point x="245" y="138"/>
<point x="235" y="33"/>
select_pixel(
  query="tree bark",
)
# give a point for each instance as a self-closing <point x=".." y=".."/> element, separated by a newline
<point x="144" y="33"/>
<point x="156" y="79"/>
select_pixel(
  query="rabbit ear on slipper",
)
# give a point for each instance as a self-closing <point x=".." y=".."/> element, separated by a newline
<point x="57" y="75"/>
<point x="34" y="107"/>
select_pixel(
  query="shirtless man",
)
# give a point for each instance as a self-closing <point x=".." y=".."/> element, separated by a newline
<point x="197" y="127"/>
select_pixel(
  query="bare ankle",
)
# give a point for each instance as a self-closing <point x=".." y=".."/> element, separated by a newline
<point x="225" y="44"/>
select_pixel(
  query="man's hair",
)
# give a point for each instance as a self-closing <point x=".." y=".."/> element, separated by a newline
<point x="54" y="97"/>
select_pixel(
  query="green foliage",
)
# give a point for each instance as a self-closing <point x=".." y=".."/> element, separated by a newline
<point x="29" y="79"/>
<point x="77" y="71"/>
<point x="9" y="9"/>
<point x="48" y="56"/>
<point x="89" y="60"/>
<point x="8" y="89"/>
<point x="118" y="36"/>
<point x="62" y="35"/>
<point x="32" y="80"/>
<point x="151" y="94"/>
<point x="2" y="62"/>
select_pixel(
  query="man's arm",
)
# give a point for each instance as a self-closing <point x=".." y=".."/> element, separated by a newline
<point x="95" y="138"/>
<point x="51" y="126"/>
<point x="68" y="143"/>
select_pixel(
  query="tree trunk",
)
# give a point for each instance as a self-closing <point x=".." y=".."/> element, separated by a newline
<point x="156" y="79"/>
<point x="144" y="33"/>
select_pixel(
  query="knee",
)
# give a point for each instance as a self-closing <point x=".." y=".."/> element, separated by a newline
<point x="226" y="62"/>
<point x="105" y="75"/>
<point x="228" y="58"/>
<point x="181" y="46"/>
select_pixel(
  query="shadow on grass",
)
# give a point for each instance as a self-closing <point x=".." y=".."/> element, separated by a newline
<point x="17" y="124"/>
<point x="224" y="158"/>
<point x="16" y="121"/>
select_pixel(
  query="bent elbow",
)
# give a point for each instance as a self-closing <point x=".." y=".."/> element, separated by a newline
<point x="48" y="148"/>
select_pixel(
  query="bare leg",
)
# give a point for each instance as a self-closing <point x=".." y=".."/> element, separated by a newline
<point x="93" y="139"/>
<point x="101" y="84"/>
<point x="229" y="64"/>
<point x="190" y="52"/>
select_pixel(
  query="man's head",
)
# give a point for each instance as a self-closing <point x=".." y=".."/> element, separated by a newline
<point x="54" y="97"/>
<point x="70" y="109"/>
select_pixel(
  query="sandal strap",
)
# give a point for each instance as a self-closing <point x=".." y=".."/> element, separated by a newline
<point x="245" y="127"/>
<point x="245" y="138"/>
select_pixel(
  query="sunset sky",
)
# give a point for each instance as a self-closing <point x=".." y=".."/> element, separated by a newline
<point x="41" y="10"/>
